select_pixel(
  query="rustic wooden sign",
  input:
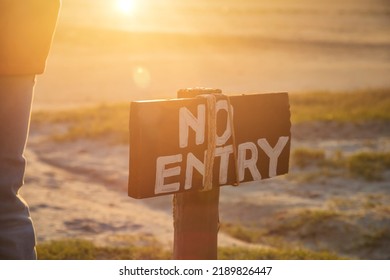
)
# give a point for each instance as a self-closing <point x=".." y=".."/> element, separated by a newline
<point x="169" y="142"/>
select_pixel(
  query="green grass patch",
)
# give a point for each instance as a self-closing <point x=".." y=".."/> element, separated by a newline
<point x="243" y="233"/>
<point x="276" y="246"/>
<point x="368" y="165"/>
<point x="274" y="254"/>
<point x="372" y="202"/>
<point x="374" y="240"/>
<point x="304" y="157"/>
<point x="77" y="249"/>
<point x="112" y="121"/>
<point x="354" y="106"/>
<point x="309" y="221"/>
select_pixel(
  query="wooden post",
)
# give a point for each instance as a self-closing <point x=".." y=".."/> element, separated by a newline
<point x="196" y="214"/>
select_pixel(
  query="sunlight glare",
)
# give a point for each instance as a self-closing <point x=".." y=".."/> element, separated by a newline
<point x="125" y="6"/>
<point x="141" y="77"/>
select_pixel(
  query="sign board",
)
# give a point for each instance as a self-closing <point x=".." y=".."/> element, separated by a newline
<point x="169" y="142"/>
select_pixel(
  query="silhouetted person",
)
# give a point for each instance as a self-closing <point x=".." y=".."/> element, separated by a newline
<point x="26" y="31"/>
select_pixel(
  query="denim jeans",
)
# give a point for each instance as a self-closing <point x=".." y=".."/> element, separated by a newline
<point x="17" y="236"/>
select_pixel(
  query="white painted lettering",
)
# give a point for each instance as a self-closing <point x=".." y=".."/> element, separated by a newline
<point x="250" y="163"/>
<point x="162" y="172"/>
<point x="273" y="153"/>
<point x="192" y="162"/>
<point x="223" y="105"/>
<point x="198" y="124"/>
<point x="224" y="153"/>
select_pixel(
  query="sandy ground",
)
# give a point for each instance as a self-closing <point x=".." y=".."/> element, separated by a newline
<point x="79" y="190"/>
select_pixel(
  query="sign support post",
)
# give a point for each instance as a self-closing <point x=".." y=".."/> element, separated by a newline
<point x="196" y="214"/>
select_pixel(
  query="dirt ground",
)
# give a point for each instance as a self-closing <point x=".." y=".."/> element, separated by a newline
<point x="79" y="190"/>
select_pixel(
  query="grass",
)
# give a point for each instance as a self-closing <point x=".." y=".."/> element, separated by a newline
<point x="369" y="166"/>
<point x="100" y="122"/>
<point x="243" y="233"/>
<point x="111" y="121"/>
<point x="343" y="204"/>
<point x="304" y="157"/>
<point x="372" y="202"/>
<point x="376" y="238"/>
<point x="274" y="254"/>
<point x="279" y="248"/>
<point x="78" y="249"/>
<point x="354" y="106"/>
<point x="309" y="221"/>
<point x="333" y="232"/>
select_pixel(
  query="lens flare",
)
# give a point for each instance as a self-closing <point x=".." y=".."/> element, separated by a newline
<point x="141" y="77"/>
<point x="125" y="6"/>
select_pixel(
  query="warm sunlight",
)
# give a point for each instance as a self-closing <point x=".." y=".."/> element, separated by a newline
<point x="125" y="6"/>
<point x="141" y="77"/>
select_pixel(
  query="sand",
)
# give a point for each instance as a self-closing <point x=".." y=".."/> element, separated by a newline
<point x="79" y="190"/>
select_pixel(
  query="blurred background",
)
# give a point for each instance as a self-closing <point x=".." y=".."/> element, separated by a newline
<point x="121" y="50"/>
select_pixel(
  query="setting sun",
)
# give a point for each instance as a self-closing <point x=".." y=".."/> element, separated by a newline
<point x="125" y="6"/>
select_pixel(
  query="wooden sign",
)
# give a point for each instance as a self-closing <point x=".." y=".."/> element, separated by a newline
<point x="169" y="142"/>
